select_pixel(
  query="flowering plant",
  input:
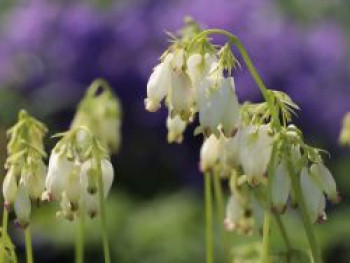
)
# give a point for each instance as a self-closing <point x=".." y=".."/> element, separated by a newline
<point x="253" y="145"/>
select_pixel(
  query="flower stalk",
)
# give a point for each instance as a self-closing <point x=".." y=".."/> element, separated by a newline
<point x="209" y="230"/>
<point x="28" y="245"/>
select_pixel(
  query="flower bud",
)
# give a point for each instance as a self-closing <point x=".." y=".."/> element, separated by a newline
<point x="255" y="151"/>
<point x="209" y="154"/>
<point x="281" y="186"/>
<point x="158" y="84"/>
<point x="59" y="169"/>
<point x="314" y="198"/>
<point x="22" y="206"/>
<point x="326" y="181"/>
<point x="9" y="187"/>
<point x="176" y="127"/>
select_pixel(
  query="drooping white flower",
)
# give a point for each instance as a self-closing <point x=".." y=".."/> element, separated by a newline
<point x="323" y="176"/>
<point x="158" y="84"/>
<point x="281" y="186"/>
<point x="22" y="206"/>
<point x="58" y="170"/>
<point x="231" y="151"/>
<point x="218" y="104"/>
<point x="9" y="186"/>
<point x="198" y="67"/>
<point x="65" y="208"/>
<point x="107" y="174"/>
<point x="34" y="180"/>
<point x="234" y="213"/>
<point x="209" y="154"/>
<point x="313" y="196"/>
<point x="181" y="94"/>
<point x="91" y="204"/>
<point x="255" y="151"/>
<point x="176" y="127"/>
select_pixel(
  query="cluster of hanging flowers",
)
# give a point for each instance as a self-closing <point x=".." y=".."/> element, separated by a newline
<point x="254" y="145"/>
<point x="24" y="182"/>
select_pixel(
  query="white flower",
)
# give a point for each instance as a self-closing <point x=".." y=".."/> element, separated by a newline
<point x="91" y="204"/>
<point x="325" y="179"/>
<point x="181" y="95"/>
<point x="34" y="180"/>
<point x="255" y="151"/>
<point x="313" y="196"/>
<point x="9" y="187"/>
<point x="231" y="150"/>
<point x="107" y="174"/>
<point x="22" y="206"/>
<point x="199" y="68"/>
<point x="209" y="154"/>
<point x="66" y="208"/>
<point x="281" y="185"/>
<point x="158" y="84"/>
<point x="234" y="213"/>
<point x="176" y="127"/>
<point x="58" y="171"/>
<point x="218" y="104"/>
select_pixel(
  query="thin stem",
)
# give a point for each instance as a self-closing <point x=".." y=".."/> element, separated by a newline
<point x="103" y="220"/>
<point x="221" y="212"/>
<point x="304" y="214"/>
<point x="5" y="216"/>
<point x="79" y="245"/>
<point x="266" y="238"/>
<point x="28" y="245"/>
<point x="209" y="218"/>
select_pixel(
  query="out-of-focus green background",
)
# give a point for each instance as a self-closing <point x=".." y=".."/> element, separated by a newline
<point x="50" y="51"/>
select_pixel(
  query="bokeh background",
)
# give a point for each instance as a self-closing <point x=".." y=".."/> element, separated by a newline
<point x="50" y="51"/>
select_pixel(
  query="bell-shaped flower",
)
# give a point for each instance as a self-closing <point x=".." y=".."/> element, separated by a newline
<point x="325" y="179"/>
<point x="281" y="187"/>
<point x="313" y="196"/>
<point x="58" y="170"/>
<point x="89" y="169"/>
<point x="198" y="67"/>
<point x="234" y="213"/>
<point x="9" y="186"/>
<point x="209" y="154"/>
<point x="34" y="180"/>
<point x="158" y="84"/>
<point x="218" y="104"/>
<point x="181" y="94"/>
<point x="230" y="154"/>
<point x="22" y="206"/>
<point x="255" y="151"/>
<point x="176" y="127"/>
<point x="91" y="204"/>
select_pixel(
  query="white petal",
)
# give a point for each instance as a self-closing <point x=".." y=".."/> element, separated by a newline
<point x="209" y="153"/>
<point x="234" y="213"/>
<point x="9" y="187"/>
<point x="22" y="206"/>
<point x="325" y="179"/>
<point x="176" y="127"/>
<point x="230" y="118"/>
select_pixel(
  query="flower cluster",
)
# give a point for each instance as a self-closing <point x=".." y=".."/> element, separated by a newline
<point x="75" y="164"/>
<point x="25" y="180"/>
<point x="100" y="111"/>
<point x="253" y="144"/>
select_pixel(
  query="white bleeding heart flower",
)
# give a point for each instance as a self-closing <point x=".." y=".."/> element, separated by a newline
<point x="209" y="154"/>
<point x="255" y="151"/>
<point x="234" y="213"/>
<point x="9" y="186"/>
<point x="313" y="196"/>
<point x="281" y="187"/>
<point x="158" y="84"/>
<point x="325" y="179"/>
<point x="72" y="187"/>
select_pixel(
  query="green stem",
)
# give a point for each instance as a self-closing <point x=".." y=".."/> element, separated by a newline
<point x="79" y="245"/>
<point x="304" y="213"/>
<point x="5" y="216"/>
<point x="283" y="231"/>
<point x="266" y="238"/>
<point x="28" y="245"/>
<point x="103" y="220"/>
<point x="221" y="212"/>
<point x="209" y="218"/>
